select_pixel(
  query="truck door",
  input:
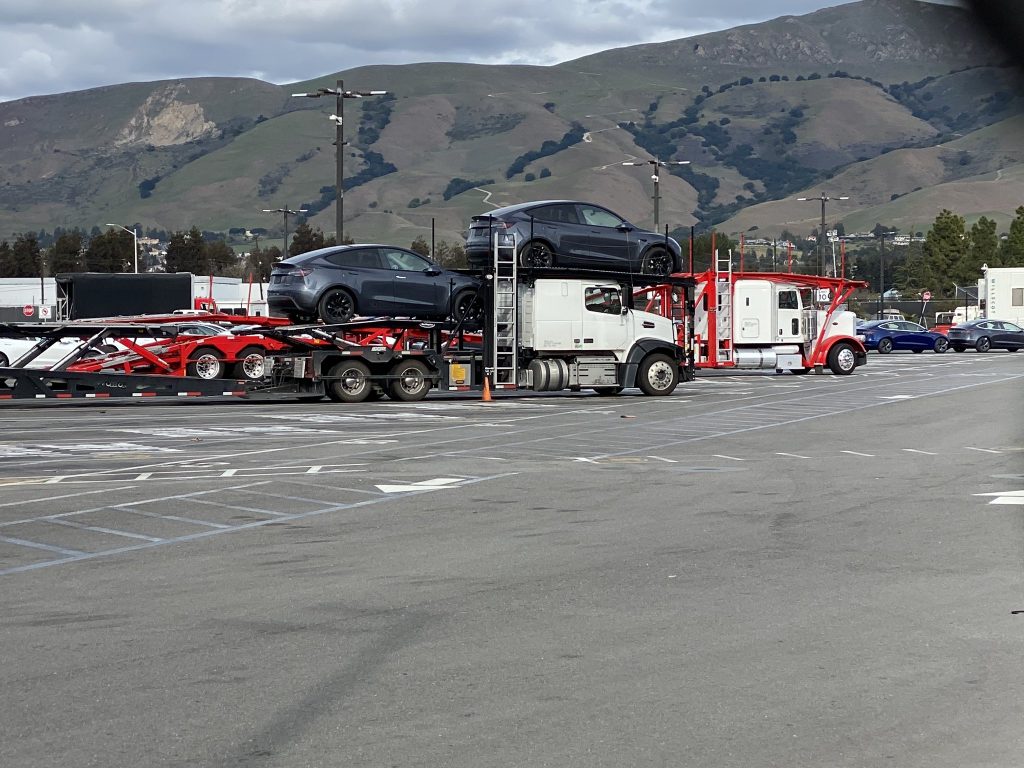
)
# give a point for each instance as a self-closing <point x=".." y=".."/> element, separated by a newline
<point x="788" y="316"/>
<point x="603" y="326"/>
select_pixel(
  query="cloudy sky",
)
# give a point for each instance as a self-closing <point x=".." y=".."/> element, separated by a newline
<point x="55" y="46"/>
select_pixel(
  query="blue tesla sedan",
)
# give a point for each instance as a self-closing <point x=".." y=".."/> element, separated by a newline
<point x="888" y="335"/>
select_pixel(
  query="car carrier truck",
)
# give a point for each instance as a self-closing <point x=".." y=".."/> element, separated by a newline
<point x="769" y="320"/>
<point x="543" y="330"/>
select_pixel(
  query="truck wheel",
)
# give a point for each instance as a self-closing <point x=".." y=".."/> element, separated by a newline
<point x="409" y="381"/>
<point x="941" y="345"/>
<point x="983" y="344"/>
<point x="658" y="374"/>
<point x="251" y="365"/>
<point x="842" y="360"/>
<point x="884" y="346"/>
<point x="205" y="363"/>
<point x="349" y="382"/>
<point x="337" y="306"/>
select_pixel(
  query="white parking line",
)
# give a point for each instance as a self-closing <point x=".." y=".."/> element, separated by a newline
<point x="983" y="450"/>
<point x="793" y="455"/>
<point x="915" y="450"/>
<point x="855" y="453"/>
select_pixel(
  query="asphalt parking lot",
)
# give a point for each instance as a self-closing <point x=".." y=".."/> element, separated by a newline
<point x="758" y="570"/>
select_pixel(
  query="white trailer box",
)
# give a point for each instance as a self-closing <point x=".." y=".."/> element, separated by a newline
<point x="1002" y="291"/>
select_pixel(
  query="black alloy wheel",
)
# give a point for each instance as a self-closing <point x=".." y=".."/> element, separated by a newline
<point x="466" y="306"/>
<point x="984" y="344"/>
<point x="536" y="254"/>
<point x="941" y="345"/>
<point x="337" y="306"/>
<point x="657" y="261"/>
<point x="884" y="346"/>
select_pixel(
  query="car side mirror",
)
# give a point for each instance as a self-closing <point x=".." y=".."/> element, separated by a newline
<point x="432" y="271"/>
<point x="625" y="227"/>
<point x="624" y="310"/>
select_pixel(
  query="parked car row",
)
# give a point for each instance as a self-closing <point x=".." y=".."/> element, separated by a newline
<point x="339" y="283"/>
<point x="885" y="336"/>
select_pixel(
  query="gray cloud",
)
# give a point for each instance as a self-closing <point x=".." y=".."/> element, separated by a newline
<point x="68" y="45"/>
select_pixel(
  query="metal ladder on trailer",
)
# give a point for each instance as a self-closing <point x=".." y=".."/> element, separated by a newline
<point x="723" y="304"/>
<point x="504" y="361"/>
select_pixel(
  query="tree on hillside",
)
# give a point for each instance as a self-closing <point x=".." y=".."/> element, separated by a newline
<point x="1011" y="253"/>
<point x="943" y="249"/>
<point x="220" y="257"/>
<point x="305" y="239"/>
<point x="27" y="256"/>
<point x="6" y="260"/>
<point x="983" y="248"/>
<point x="187" y="253"/>
<point x="451" y="255"/>
<point x="261" y="262"/>
<point x="67" y="254"/>
<point x="103" y="253"/>
<point x="420" y="246"/>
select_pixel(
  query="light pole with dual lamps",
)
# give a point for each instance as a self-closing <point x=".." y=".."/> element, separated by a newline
<point x="655" y="176"/>
<point x="339" y="143"/>
<point x="821" y="232"/>
<point x="286" y="211"/>
<point x="135" y="241"/>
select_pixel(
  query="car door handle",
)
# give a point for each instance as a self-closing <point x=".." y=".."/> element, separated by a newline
<point x="401" y="277"/>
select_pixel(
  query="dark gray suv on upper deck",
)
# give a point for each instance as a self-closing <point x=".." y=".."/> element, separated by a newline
<point x="568" y="233"/>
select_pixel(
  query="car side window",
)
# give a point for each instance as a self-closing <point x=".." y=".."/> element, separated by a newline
<point x="1012" y="327"/>
<point x="404" y="261"/>
<point x="599" y="217"/>
<point x="601" y="299"/>
<point x="355" y="257"/>
<point x="556" y="214"/>
<point x="889" y="326"/>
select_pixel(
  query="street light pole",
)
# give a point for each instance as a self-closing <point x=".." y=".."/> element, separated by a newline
<point x="338" y="118"/>
<point x="286" y="212"/>
<point x="657" y="164"/>
<point x="881" y="272"/>
<point x="135" y="241"/>
<point x="821" y="232"/>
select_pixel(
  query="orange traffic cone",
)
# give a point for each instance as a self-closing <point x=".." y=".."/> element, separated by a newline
<point x="487" y="390"/>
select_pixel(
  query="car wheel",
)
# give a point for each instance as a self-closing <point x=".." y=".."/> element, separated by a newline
<point x="607" y="391"/>
<point x="465" y="306"/>
<point x="251" y="365"/>
<point x="657" y="261"/>
<point x="205" y="363"/>
<point x="409" y="381"/>
<point x="4" y="362"/>
<point x="885" y="346"/>
<point x="842" y="359"/>
<point x="941" y="345"/>
<point x="959" y="347"/>
<point x="658" y="374"/>
<point x="337" y="306"/>
<point x="301" y="318"/>
<point x="984" y="344"/>
<point x="349" y="382"/>
<point x="536" y="254"/>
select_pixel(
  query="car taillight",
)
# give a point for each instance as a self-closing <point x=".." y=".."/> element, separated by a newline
<point x="301" y="272"/>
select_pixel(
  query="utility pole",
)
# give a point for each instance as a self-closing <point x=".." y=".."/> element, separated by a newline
<point x="821" y="232"/>
<point x="881" y="272"/>
<point x="657" y="164"/>
<point x="338" y="118"/>
<point x="286" y="211"/>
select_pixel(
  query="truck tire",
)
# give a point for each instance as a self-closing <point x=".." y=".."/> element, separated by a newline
<point x="251" y="365"/>
<point x="842" y="360"/>
<point x="409" y="381"/>
<point x="658" y="374"/>
<point x="349" y="382"/>
<point x="205" y="363"/>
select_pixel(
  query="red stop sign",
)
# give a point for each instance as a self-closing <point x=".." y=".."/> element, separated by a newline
<point x="28" y="310"/>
